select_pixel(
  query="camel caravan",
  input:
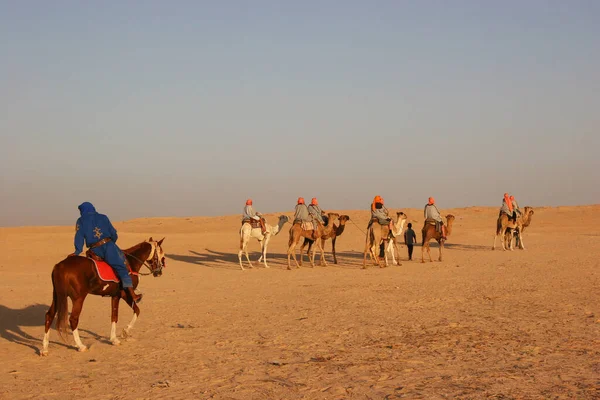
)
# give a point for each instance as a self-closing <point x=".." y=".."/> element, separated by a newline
<point x="313" y="227"/>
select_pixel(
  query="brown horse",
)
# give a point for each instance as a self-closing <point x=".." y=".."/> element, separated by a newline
<point x="76" y="277"/>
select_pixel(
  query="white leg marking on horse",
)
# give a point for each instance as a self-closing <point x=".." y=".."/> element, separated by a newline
<point x="80" y="345"/>
<point x="45" y="343"/>
<point x="113" y="334"/>
<point x="130" y="326"/>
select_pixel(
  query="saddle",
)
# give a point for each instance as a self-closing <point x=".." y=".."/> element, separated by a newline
<point x="438" y="225"/>
<point x="305" y="225"/>
<point x="100" y="261"/>
<point x="253" y="223"/>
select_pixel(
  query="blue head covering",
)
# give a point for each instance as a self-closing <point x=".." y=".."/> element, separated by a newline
<point x="86" y="207"/>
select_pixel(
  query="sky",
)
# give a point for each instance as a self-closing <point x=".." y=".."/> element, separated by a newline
<point x="188" y="108"/>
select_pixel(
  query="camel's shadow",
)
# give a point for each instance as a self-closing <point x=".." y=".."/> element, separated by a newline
<point x="219" y="259"/>
<point x="12" y="321"/>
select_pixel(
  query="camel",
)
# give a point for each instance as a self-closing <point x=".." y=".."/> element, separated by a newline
<point x="296" y="232"/>
<point x="247" y="232"/>
<point x="375" y="236"/>
<point x="333" y="235"/>
<point x="514" y="230"/>
<point x="393" y="244"/>
<point x="429" y="232"/>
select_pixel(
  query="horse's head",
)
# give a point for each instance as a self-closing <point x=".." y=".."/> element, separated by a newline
<point x="156" y="260"/>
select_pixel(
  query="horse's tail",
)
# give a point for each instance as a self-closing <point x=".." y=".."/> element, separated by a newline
<point x="59" y="295"/>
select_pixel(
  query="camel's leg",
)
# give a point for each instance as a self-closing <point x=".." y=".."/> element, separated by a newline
<point x="314" y="253"/>
<point x="49" y="319"/>
<point x="375" y="255"/>
<point x="367" y="250"/>
<point x="74" y="321"/>
<point x="247" y="256"/>
<point x="243" y="244"/>
<point x="114" y="319"/>
<point x="423" y="252"/>
<point x="292" y="252"/>
<point x="323" y="260"/>
<point x="333" y="249"/>
<point x="386" y="244"/>
<point x="304" y="242"/>
<point x="264" y="251"/>
<point x="397" y="250"/>
<point x="441" y="248"/>
<point x="521" y="245"/>
<point x="429" y="252"/>
<point x="136" y="313"/>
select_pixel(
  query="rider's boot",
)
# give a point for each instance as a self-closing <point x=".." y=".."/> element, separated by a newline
<point x="137" y="298"/>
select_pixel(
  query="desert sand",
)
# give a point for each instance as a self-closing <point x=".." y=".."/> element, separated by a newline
<point x="481" y="324"/>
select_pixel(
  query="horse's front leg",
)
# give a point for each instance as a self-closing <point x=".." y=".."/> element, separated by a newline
<point x="114" y="318"/>
<point x="136" y="314"/>
<point x="74" y="321"/>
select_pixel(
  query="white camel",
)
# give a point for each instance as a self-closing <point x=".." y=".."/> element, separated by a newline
<point x="393" y="244"/>
<point x="373" y="241"/>
<point x="247" y="232"/>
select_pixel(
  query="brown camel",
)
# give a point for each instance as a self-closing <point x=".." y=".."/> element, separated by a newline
<point x="376" y="233"/>
<point x="516" y="232"/>
<point x="333" y="235"/>
<point x="429" y="232"/>
<point x="297" y="232"/>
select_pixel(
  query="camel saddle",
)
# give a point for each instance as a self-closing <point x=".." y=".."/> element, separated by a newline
<point x="305" y="225"/>
<point x="438" y="225"/>
<point x="254" y="223"/>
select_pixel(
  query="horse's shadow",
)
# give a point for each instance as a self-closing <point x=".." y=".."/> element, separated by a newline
<point x="218" y="259"/>
<point x="12" y="321"/>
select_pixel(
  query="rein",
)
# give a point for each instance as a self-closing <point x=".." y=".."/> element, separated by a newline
<point x="144" y="263"/>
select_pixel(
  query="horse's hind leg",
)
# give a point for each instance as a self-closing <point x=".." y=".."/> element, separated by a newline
<point x="49" y="319"/>
<point x="74" y="321"/>
<point x="114" y="302"/>
<point x="136" y="314"/>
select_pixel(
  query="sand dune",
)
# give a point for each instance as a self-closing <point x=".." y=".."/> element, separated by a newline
<point x="480" y="324"/>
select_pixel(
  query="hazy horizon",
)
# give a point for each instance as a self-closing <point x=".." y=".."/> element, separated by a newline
<point x="188" y="108"/>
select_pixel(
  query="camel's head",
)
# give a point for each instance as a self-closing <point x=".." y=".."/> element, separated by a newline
<point x="283" y="219"/>
<point x="528" y="211"/>
<point x="401" y="215"/>
<point x="450" y="218"/>
<point x="333" y="216"/>
<point x="343" y="219"/>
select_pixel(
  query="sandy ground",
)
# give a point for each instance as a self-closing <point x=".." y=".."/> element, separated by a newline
<point x="481" y="324"/>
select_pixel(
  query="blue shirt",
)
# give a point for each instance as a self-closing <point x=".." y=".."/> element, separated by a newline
<point x="92" y="227"/>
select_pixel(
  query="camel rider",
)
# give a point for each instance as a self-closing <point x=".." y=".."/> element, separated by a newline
<point x="316" y="211"/>
<point x="431" y="212"/>
<point x="100" y="237"/>
<point x="507" y="208"/>
<point x="303" y="215"/>
<point x="249" y="214"/>
<point x="515" y="205"/>
<point x="380" y="214"/>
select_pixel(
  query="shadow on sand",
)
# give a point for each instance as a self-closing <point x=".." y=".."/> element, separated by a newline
<point x="11" y="321"/>
<point x="218" y="259"/>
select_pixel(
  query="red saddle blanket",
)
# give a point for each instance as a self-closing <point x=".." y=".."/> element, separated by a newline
<point x="105" y="271"/>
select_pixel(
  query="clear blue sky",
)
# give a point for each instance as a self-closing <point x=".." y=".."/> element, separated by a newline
<point x="155" y="108"/>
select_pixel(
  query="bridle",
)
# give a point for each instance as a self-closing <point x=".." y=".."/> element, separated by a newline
<point x="156" y="265"/>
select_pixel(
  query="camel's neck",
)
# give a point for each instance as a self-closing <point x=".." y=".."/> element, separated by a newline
<point x="399" y="226"/>
<point x="340" y="229"/>
<point x="449" y="227"/>
<point x="278" y="227"/>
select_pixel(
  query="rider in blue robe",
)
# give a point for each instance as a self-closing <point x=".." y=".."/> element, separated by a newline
<point x="101" y="237"/>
